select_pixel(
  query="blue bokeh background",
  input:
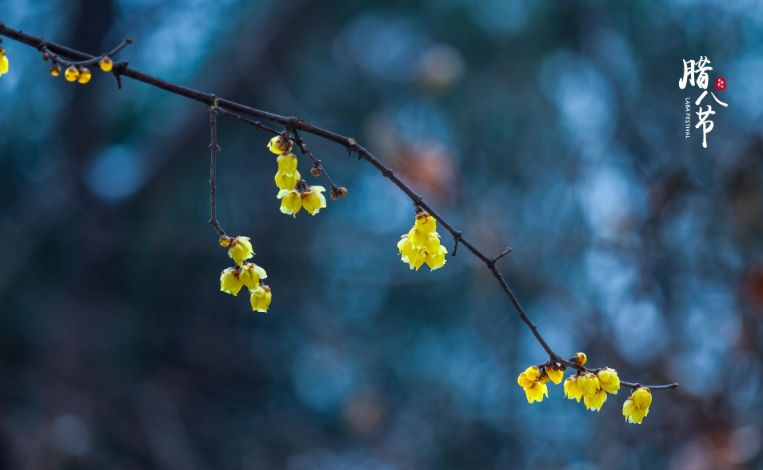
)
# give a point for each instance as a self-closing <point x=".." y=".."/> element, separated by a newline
<point x="556" y="128"/>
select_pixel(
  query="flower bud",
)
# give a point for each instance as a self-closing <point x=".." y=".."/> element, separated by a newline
<point x="315" y="171"/>
<point x="225" y="241"/>
<point x="84" y="75"/>
<point x="55" y="70"/>
<point x="71" y="74"/>
<point x="579" y="359"/>
<point x="106" y="64"/>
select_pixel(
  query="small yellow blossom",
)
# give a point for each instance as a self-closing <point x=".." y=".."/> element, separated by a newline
<point x="588" y="383"/>
<point x="279" y="145"/>
<point x="55" y="70"/>
<point x="240" y="250"/>
<point x="3" y="62"/>
<point x="415" y="257"/>
<point x="251" y="274"/>
<point x="260" y="298"/>
<point x="84" y="75"/>
<point x="579" y="359"/>
<point x="291" y="201"/>
<point x="555" y="375"/>
<point x="595" y="400"/>
<point x="636" y="407"/>
<point x="106" y="64"/>
<point x="572" y="390"/>
<point x="609" y="380"/>
<point x="287" y="182"/>
<point x="531" y="381"/>
<point x="71" y="74"/>
<point x="313" y="199"/>
<point x="287" y="175"/>
<point x="436" y="260"/>
<point x="230" y="282"/>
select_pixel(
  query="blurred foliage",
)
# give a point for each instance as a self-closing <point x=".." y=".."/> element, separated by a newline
<point x="553" y="127"/>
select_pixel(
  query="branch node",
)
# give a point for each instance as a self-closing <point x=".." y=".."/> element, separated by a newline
<point x="118" y="70"/>
<point x="457" y="238"/>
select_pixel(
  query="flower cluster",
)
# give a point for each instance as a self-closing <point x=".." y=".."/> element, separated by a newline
<point x="3" y="62"/>
<point x="78" y="73"/>
<point x="244" y="273"/>
<point x="422" y="244"/>
<point x="294" y="193"/>
<point x="535" y="378"/>
<point x="591" y="386"/>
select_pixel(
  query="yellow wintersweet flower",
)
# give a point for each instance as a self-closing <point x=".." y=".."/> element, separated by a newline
<point x="240" y="250"/>
<point x="3" y="62"/>
<point x="636" y="407"/>
<point x="291" y="201"/>
<point x="572" y="390"/>
<point x="71" y="74"/>
<point x="530" y="381"/>
<point x="422" y="244"/>
<point x="260" y="298"/>
<point x="595" y="400"/>
<point x="229" y="281"/>
<point x="609" y="380"/>
<point x="436" y="260"/>
<point x="536" y="391"/>
<point x="588" y="383"/>
<point x="313" y="199"/>
<point x="251" y="274"/>
<point x="279" y="145"/>
<point x="425" y="223"/>
<point x="555" y="375"/>
<point x="286" y="181"/>
<point x="55" y="70"/>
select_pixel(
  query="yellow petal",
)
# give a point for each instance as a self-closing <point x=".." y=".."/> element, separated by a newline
<point x="433" y="244"/>
<point x="287" y="163"/>
<point x="4" y="65"/>
<point x="556" y="376"/>
<point x="532" y="373"/>
<point x="287" y="182"/>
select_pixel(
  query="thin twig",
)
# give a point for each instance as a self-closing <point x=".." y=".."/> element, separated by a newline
<point x="255" y="124"/>
<point x="335" y="191"/>
<point x="213" y="148"/>
<point x="349" y="143"/>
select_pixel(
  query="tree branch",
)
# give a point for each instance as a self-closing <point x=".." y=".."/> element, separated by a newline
<point x="296" y="124"/>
